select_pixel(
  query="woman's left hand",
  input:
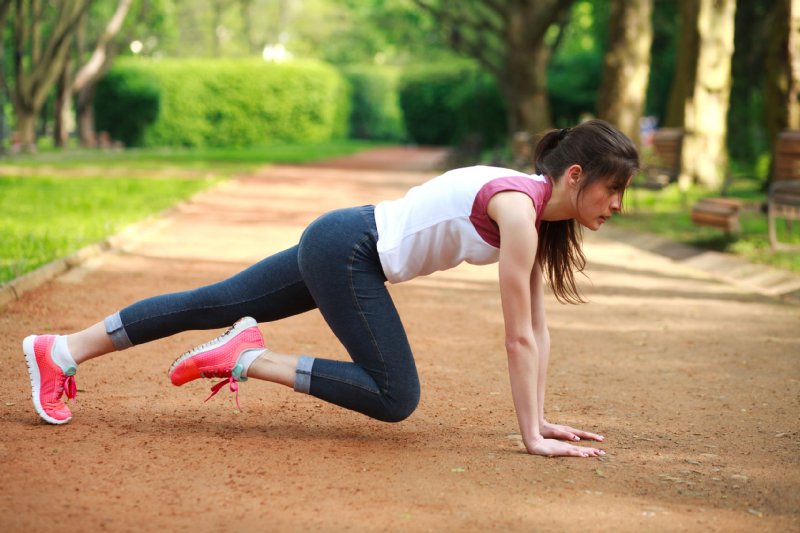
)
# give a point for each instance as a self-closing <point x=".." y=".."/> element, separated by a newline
<point x="557" y="431"/>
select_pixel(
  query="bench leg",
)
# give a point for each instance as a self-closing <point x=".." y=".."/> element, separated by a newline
<point x="773" y="239"/>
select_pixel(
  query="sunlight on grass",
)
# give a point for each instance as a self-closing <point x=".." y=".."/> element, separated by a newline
<point x="668" y="213"/>
<point x="43" y="218"/>
<point x="54" y="203"/>
<point x="222" y="160"/>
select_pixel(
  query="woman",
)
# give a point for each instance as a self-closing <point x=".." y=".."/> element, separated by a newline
<point x="482" y="215"/>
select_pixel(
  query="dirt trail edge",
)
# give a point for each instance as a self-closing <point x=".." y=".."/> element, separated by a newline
<point x="694" y="382"/>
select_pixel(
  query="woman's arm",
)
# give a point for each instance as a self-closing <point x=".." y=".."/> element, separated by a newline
<point x="540" y="332"/>
<point x="514" y="214"/>
<point x="542" y="335"/>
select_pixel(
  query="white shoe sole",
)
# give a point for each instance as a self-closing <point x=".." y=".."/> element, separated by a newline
<point x="36" y="380"/>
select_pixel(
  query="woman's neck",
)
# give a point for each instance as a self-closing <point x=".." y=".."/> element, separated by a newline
<point x="560" y="206"/>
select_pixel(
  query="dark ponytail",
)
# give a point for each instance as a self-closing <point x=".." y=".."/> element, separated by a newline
<point x="604" y="154"/>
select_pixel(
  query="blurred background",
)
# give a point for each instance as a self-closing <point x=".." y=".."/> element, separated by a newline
<point x="705" y="87"/>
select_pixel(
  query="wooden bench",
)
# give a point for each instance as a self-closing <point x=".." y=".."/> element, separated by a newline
<point x="666" y="164"/>
<point x="722" y="213"/>
<point x="783" y="200"/>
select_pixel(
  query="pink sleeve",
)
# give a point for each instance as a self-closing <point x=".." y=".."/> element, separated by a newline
<point x="538" y="191"/>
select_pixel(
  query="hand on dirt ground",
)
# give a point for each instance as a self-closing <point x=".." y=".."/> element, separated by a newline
<point x="557" y="431"/>
<point x="556" y="448"/>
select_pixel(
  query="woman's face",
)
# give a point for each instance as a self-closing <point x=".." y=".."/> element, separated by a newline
<point x="597" y="202"/>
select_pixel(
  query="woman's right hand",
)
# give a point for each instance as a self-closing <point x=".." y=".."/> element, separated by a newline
<point x="557" y="448"/>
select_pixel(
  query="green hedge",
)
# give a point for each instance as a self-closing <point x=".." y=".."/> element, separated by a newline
<point x="376" y="110"/>
<point x="216" y="103"/>
<point x="233" y="103"/>
<point x="448" y="103"/>
<point x="126" y="103"/>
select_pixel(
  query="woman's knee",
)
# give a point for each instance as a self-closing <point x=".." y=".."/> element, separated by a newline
<point x="401" y="405"/>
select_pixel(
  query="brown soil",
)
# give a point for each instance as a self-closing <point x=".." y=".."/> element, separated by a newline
<point x="694" y="383"/>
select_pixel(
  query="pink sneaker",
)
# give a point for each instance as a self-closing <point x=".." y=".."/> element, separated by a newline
<point x="220" y="358"/>
<point x="48" y="380"/>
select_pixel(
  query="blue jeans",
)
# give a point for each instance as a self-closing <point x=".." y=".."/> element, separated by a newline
<point x="334" y="268"/>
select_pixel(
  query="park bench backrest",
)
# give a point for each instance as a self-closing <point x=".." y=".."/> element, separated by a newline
<point x="667" y="149"/>
<point x="787" y="156"/>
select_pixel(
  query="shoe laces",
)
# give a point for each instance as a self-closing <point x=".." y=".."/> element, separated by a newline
<point x="234" y="386"/>
<point x="69" y="387"/>
<point x="210" y="343"/>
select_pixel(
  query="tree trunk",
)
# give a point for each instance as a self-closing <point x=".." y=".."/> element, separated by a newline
<point x="627" y="65"/>
<point x="526" y="92"/>
<point x="793" y="52"/>
<point x="26" y="129"/>
<point x="94" y="68"/>
<point x="704" y="157"/>
<point x="36" y="74"/>
<point x="216" y="30"/>
<point x="524" y="77"/>
<point x="85" y="112"/>
<point x="90" y="73"/>
<point x="782" y="69"/>
<point x="63" y="106"/>
<point x="685" y="64"/>
<point x="5" y="6"/>
<point x="507" y="38"/>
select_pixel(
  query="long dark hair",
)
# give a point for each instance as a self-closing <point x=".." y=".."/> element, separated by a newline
<point x="604" y="154"/>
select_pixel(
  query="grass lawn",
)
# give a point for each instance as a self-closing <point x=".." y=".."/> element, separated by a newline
<point x="54" y="203"/>
<point x="667" y="213"/>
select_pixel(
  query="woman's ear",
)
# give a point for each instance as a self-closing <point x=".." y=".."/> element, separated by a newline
<point x="573" y="175"/>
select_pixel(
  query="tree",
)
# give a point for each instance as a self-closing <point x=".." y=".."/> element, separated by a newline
<point x="85" y="80"/>
<point x="5" y="6"/>
<point x="627" y="65"/>
<point x="508" y="38"/>
<point x="756" y="32"/>
<point x="42" y="34"/>
<point x="704" y="156"/>
<point x="666" y="31"/>
<point x="783" y="69"/>
<point x="82" y="83"/>
<point x="575" y="70"/>
<point x="685" y="64"/>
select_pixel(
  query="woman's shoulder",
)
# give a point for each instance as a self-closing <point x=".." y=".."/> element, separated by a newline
<point x="487" y="170"/>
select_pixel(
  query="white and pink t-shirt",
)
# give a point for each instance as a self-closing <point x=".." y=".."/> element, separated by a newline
<point x="443" y="222"/>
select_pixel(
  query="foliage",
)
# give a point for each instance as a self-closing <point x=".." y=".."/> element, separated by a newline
<point x="376" y="110"/>
<point x="572" y="84"/>
<point x="576" y="68"/>
<point x="126" y="103"/>
<point x="747" y="131"/>
<point x="242" y="103"/>
<point x="336" y="31"/>
<point x="365" y="31"/>
<point x="445" y="104"/>
<point x="666" y="28"/>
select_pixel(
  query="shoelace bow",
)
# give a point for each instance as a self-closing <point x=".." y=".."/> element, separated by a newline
<point x="234" y="385"/>
<point x="69" y="387"/>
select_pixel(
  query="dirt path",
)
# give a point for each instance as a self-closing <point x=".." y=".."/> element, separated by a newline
<point x="695" y="383"/>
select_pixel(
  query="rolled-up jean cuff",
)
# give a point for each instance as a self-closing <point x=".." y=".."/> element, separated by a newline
<point x="302" y="378"/>
<point x="116" y="331"/>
